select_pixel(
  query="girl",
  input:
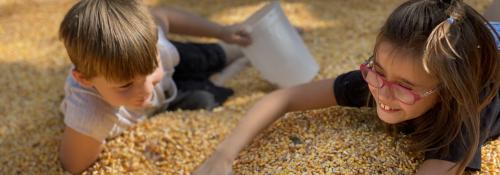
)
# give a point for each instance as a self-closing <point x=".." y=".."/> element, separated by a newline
<point x="434" y="73"/>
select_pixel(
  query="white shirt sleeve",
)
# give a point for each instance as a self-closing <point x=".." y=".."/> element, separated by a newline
<point x="88" y="114"/>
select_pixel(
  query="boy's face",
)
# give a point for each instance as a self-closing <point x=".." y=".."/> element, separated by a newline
<point x="395" y="68"/>
<point x="135" y="93"/>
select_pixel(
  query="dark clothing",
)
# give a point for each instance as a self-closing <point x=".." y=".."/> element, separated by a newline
<point x="220" y="94"/>
<point x="489" y="128"/>
<point x="351" y="90"/>
<point x="193" y="100"/>
<point x="197" y="63"/>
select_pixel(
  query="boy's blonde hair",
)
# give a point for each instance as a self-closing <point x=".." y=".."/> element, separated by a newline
<point x="113" y="38"/>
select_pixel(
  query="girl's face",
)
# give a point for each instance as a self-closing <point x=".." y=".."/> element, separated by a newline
<point x="402" y="70"/>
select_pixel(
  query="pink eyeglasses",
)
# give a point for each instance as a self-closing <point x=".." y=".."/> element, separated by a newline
<point x="401" y="93"/>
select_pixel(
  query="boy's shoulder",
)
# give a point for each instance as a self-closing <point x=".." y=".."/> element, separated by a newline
<point x="84" y="97"/>
<point x="86" y="111"/>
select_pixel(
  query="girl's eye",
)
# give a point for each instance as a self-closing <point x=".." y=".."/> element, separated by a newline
<point x="378" y="72"/>
<point x="405" y="86"/>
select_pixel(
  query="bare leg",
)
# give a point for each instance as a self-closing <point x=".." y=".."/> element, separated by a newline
<point x="232" y="52"/>
<point x="230" y="71"/>
<point x="492" y="13"/>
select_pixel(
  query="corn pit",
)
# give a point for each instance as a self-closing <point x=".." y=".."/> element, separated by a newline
<point x="335" y="140"/>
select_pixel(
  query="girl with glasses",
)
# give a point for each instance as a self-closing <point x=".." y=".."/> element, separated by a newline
<point x="434" y="73"/>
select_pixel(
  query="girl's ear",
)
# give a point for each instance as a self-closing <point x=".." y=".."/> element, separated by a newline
<point x="81" y="79"/>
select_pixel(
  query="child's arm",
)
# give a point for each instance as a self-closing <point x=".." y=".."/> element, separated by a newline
<point x="262" y="114"/>
<point x="182" y="22"/>
<point x="78" y="151"/>
<point x="435" y="166"/>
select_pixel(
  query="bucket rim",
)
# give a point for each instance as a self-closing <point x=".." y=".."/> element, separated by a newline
<point x="262" y="13"/>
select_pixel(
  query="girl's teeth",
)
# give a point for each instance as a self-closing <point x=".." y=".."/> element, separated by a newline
<point x="385" y="106"/>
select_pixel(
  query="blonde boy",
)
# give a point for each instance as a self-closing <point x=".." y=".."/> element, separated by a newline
<point x="123" y="67"/>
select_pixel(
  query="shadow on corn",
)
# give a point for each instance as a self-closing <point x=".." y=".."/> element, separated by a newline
<point x="31" y="122"/>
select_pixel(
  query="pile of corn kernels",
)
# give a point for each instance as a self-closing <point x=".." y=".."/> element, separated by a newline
<point x="336" y="140"/>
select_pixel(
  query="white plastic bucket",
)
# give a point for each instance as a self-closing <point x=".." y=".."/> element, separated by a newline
<point x="277" y="50"/>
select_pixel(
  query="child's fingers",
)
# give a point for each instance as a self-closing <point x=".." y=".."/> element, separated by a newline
<point x="243" y="33"/>
<point x="236" y="34"/>
<point x="243" y="38"/>
<point x="242" y="41"/>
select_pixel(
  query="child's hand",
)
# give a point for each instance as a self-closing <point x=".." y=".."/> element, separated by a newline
<point x="235" y="34"/>
<point x="217" y="164"/>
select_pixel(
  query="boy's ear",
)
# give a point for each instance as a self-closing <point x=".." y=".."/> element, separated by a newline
<point x="81" y="79"/>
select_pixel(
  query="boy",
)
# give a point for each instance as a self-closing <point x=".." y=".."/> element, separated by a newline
<point x="123" y="70"/>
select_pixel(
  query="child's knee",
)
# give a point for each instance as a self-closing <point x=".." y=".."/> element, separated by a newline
<point x="231" y="51"/>
<point x="200" y="100"/>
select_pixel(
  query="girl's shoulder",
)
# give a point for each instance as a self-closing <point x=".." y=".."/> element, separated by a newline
<point x="350" y="89"/>
<point x="492" y="110"/>
<point x="496" y="29"/>
<point x="489" y="129"/>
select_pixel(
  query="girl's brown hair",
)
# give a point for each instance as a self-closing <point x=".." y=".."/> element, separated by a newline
<point x="455" y="44"/>
<point x="113" y="38"/>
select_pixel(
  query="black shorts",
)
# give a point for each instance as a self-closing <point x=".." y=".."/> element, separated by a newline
<point x="197" y="63"/>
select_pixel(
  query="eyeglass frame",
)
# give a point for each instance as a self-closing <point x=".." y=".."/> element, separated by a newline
<point x="416" y="96"/>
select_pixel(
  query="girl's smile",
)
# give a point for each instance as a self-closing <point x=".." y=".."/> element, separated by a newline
<point x="393" y="78"/>
<point x="387" y="108"/>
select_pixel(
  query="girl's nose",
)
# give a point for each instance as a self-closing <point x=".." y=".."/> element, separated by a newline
<point x="385" y="93"/>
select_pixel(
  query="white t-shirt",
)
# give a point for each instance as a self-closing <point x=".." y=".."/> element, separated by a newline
<point x="86" y="112"/>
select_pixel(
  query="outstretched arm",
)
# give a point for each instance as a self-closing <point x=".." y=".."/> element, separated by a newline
<point x="180" y="21"/>
<point x="270" y="108"/>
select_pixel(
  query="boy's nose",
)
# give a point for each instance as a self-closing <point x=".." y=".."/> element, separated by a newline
<point x="146" y="90"/>
<point x="150" y="83"/>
